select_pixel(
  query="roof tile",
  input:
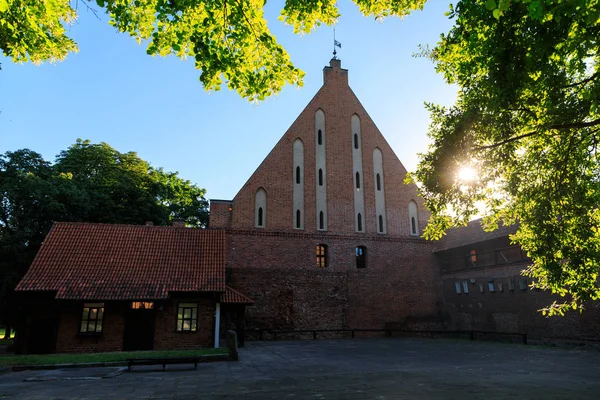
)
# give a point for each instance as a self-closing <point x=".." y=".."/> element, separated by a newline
<point x="119" y="262"/>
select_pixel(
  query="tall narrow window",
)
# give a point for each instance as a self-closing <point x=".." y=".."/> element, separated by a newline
<point x="361" y="256"/>
<point x="298" y="219"/>
<point x="413" y="218"/>
<point x="359" y="222"/>
<point x="356" y="141"/>
<point x="320" y="177"/>
<point x="320" y="137"/>
<point x="380" y="224"/>
<point x="297" y="174"/>
<point x="260" y="208"/>
<point x="92" y="317"/>
<point x="321" y="256"/>
<point x="378" y="179"/>
<point x="358" y="180"/>
<point x="321" y="220"/>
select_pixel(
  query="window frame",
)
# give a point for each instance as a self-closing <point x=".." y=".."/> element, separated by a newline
<point x="361" y="259"/>
<point x="322" y="255"/>
<point x="98" y="318"/>
<point x="191" y="319"/>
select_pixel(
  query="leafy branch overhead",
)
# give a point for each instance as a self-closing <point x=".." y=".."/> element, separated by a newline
<point x="228" y="39"/>
<point x="528" y="120"/>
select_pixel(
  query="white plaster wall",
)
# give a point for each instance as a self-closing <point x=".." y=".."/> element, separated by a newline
<point x="298" y="187"/>
<point x="320" y="161"/>
<point x="379" y="194"/>
<point x="260" y="201"/>
<point x="359" y="198"/>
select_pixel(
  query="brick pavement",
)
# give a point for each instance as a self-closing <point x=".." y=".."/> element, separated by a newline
<point x="341" y="369"/>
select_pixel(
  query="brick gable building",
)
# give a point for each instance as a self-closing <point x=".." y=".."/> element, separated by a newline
<point x="325" y="233"/>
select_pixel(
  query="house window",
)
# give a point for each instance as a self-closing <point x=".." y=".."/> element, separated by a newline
<point x="380" y="224"/>
<point x="91" y="320"/>
<point x="357" y="180"/>
<point x="491" y="286"/>
<point x="260" y="216"/>
<point x="361" y="257"/>
<point x="187" y="317"/>
<point x="356" y="141"/>
<point x="319" y="137"/>
<point x="321" y="220"/>
<point x="378" y="179"/>
<point x="298" y="219"/>
<point x="511" y="284"/>
<point x="142" y="305"/>
<point x="321" y="256"/>
<point x="473" y="256"/>
<point x="297" y="174"/>
<point x="465" y="285"/>
<point x="320" y="177"/>
<point x="359" y="222"/>
<point x="457" y="287"/>
<point x="523" y="284"/>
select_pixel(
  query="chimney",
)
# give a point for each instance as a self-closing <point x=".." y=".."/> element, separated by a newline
<point x="335" y="73"/>
<point x="149" y="223"/>
<point x="178" y="223"/>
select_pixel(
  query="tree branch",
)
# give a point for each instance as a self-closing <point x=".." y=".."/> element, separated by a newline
<point x="575" y="125"/>
<point x="583" y="82"/>
<point x="503" y="142"/>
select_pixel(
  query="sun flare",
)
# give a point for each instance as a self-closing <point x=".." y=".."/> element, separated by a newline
<point x="467" y="174"/>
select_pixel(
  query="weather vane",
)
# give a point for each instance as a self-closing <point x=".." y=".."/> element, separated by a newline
<point x="335" y="44"/>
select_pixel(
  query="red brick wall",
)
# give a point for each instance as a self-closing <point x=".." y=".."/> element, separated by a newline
<point x="165" y="334"/>
<point x="279" y="271"/>
<point x="508" y="311"/>
<point x="70" y="341"/>
<point x="220" y="214"/>
<point x="275" y="174"/>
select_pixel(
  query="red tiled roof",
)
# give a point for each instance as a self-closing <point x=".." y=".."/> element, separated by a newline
<point x="126" y="262"/>
<point x="233" y="296"/>
<point x="472" y="233"/>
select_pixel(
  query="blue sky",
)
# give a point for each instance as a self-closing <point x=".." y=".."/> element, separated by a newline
<point x="111" y="91"/>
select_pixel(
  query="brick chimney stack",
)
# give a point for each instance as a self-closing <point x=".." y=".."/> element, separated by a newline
<point x="335" y="73"/>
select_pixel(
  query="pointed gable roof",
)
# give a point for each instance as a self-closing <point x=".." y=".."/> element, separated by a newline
<point x="126" y="262"/>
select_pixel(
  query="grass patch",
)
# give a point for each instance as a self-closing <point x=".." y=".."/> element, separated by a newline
<point x="33" y="359"/>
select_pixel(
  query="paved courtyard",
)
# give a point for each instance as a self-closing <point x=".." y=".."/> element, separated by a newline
<point x="338" y="369"/>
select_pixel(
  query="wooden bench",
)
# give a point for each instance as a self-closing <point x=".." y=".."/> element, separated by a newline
<point x="164" y="361"/>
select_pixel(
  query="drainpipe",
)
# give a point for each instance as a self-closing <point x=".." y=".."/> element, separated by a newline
<point x="217" y="324"/>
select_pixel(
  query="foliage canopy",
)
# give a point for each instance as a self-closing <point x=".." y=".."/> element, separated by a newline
<point x="527" y="119"/>
<point x="87" y="183"/>
<point x="228" y="39"/>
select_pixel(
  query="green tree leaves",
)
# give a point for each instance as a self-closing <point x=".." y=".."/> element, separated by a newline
<point x="228" y="39"/>
<point x="88" y="183"/>
<point x="528" y="119"/>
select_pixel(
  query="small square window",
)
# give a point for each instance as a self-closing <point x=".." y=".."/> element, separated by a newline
<point x="187" y="317"/>
<point x="92" y="318"/>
